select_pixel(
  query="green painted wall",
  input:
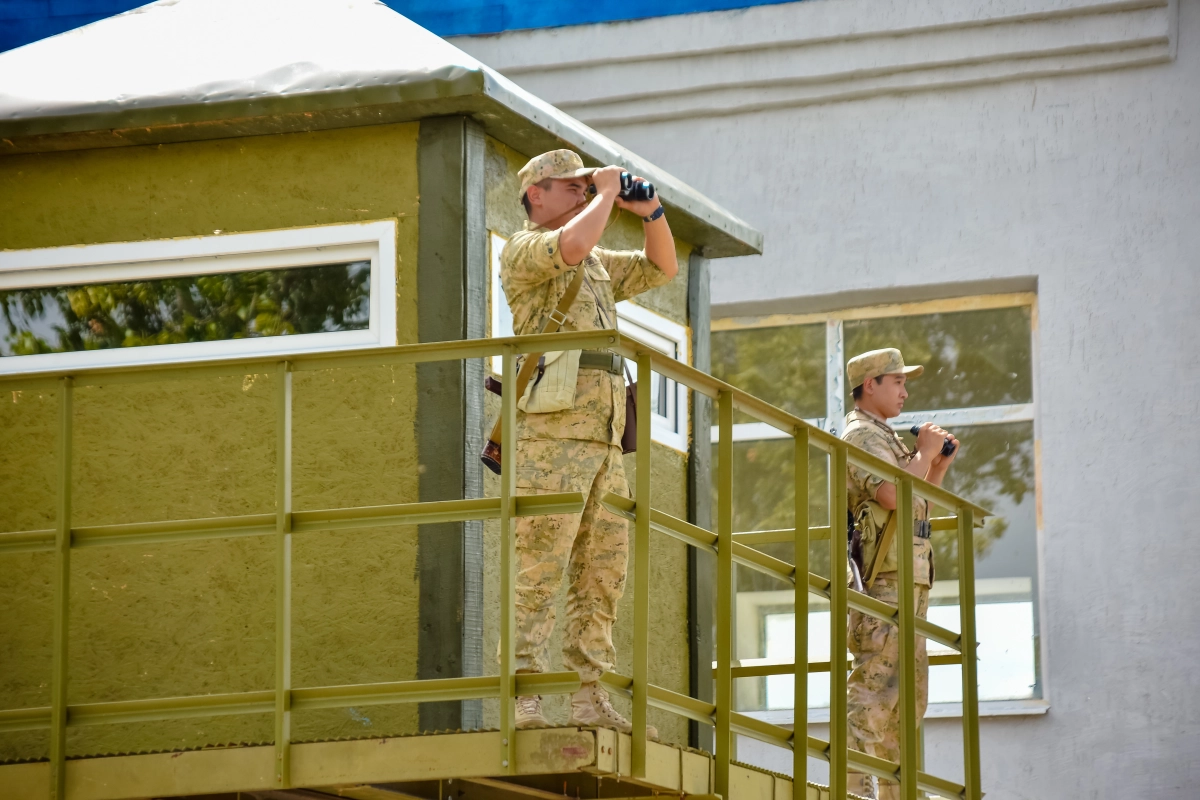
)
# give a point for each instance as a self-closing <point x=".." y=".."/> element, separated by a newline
<point x="181" y="619"/>
<point x="668" y="607"/>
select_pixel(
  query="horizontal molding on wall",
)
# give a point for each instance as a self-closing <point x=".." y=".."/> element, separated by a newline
<point x="912" y="46"/>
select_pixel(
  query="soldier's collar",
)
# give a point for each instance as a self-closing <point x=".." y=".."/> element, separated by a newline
<point x="868" y="415"/>
<point x="530" y="225"/>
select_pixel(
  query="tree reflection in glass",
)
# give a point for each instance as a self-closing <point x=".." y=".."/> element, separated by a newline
<point x="192" y="308"/>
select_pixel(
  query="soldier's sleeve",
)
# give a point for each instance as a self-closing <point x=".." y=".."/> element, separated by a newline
<point x="531" y="258"/>
<point x="632" y="272"/>
<point x="874" y="443"/>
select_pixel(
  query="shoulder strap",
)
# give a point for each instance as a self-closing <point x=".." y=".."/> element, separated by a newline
<point x="882" y="547"/>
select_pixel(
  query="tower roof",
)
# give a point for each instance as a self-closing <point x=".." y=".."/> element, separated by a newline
<point x="182" y="70"/>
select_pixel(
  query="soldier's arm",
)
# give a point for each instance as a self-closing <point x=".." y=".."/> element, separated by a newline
<point x="660" y="244"/>
<point x="885" y="495"/>
<point x="632" y="272"/>
<point x="583" y="232"/>
<point x="869" y="440"/>
<point x="531" y="258"/>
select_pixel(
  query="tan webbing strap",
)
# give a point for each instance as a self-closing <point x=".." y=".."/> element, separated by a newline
<point x="884" y="544"/>
<point x="557" y="317"/>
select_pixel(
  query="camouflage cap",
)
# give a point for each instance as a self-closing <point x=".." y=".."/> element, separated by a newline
<point x="555" y="164"/>
<point x="888" y="361"/>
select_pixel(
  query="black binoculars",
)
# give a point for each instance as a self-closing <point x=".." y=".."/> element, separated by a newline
<point x="631" y="189"/>
<point x="947" y="446"/>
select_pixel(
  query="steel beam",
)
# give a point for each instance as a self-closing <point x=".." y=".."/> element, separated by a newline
<point x="62" y="591"/>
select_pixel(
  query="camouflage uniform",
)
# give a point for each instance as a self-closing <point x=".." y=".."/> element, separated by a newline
<point x="873" y="724"/>
<point x="575" y="450"/>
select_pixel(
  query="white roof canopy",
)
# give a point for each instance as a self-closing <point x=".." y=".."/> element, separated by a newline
<point x="189" y="69"/>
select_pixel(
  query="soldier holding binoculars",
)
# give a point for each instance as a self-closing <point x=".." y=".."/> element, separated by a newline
<point x="879" y="379"/>
<point x="570" y="422"/>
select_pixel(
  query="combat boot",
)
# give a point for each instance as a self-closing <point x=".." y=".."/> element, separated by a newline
<point x="529" y="713"/>
<point x="590" y="708"/>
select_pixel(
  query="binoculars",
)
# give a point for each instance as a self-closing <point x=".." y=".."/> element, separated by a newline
<point x="947" y="446"/>
<point x="631" y="189"/>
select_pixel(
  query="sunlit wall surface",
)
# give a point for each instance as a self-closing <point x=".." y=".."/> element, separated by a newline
<point x="978" y="382"/>
<point x="25" y="22"/>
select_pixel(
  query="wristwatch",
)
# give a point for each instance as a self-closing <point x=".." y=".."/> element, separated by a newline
<point x="658" y="212"/>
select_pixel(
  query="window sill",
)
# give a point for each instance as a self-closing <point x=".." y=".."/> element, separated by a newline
<point x="989" y="708"/>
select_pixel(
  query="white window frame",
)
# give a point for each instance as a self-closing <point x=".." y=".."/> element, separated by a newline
<point x="835" y="378"/>
<point x="207" y="255"/>
<point x="664" y="335"/>
<point x="835" y="369"/>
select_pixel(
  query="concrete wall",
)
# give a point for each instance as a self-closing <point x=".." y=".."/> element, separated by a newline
<point x="198" y="617"/>
<point x="668" y="581"/>
<point x="949" y="147"/>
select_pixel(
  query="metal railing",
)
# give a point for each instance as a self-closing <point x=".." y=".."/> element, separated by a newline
<point x="730" y="548"/>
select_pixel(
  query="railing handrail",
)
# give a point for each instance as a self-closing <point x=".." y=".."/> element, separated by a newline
<point x="424" y="352"/>
<point x="283" y="523"/>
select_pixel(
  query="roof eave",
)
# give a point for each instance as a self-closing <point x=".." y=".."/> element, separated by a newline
<point x="507" y="115"/>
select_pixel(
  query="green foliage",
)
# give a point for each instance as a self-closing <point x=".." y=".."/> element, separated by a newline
<point x="784" y="366"/>
<point x="971" y="358"/>
<point x="205" y="308"/>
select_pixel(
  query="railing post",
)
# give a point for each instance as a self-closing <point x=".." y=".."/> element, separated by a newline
<point x="837" y="622"/>
<point x="968" y="647"/>
<point x="62" y="593"/>
<point x="641" y="571"/>
<point x="800" y="695"/>
<point x="906" y="605"/>
<point x="283" y="576"/>
<point x="724" y="645"/>
<point x="508" y="556"/>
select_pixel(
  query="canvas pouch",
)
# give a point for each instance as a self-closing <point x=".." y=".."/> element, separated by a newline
<point x="553" y="389"/>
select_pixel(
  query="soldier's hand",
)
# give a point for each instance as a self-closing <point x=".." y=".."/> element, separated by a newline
<point x="942" y="462"/>
<point x="607" y="181"/>
<point x="929" y="440"/>
<point x="643" y="208"/>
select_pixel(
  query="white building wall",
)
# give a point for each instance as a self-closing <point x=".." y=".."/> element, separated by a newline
<point x="929" y="148"/>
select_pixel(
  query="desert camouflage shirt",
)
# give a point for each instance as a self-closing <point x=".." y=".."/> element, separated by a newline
<point x="534" y="277"/>
<point x="877" y="438"/>
<point x="874" y="435"/>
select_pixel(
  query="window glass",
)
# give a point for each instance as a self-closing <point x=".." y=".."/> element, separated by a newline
<point x="974" y="360"/>
<point x="193" y="308"/>
<point x="784" y="366"/>
<point x="971" y="358"/>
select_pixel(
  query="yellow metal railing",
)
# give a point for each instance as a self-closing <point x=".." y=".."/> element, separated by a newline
<point x="730" y="548"/>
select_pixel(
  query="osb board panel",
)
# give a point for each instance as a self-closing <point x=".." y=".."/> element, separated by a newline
<point x="668" y="580"/>
<point x="196" y="617"/>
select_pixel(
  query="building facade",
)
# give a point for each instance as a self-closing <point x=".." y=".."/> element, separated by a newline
<point x="1007" y="192"/>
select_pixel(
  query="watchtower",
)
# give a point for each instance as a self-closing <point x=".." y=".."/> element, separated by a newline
<point x="248" y="544"/>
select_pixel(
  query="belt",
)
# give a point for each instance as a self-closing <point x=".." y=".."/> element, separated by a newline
<point x="602" y="360"/>
<point x="921" y="528"/>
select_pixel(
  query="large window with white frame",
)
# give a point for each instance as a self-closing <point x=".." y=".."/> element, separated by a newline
<point x="668" y="399"/>
<point x="246" y="294"/>
<point x="979" y="381"/>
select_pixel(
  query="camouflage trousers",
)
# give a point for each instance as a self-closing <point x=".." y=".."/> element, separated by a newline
<point x="873" y="724"/>
<point x="592" y="548"/>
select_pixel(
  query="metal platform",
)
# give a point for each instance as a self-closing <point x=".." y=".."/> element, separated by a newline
<point x="552" y="763"/>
